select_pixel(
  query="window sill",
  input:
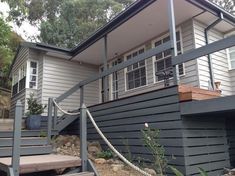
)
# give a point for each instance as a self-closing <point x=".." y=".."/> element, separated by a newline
<point x="134" y="89"/>
<point x="162" y="81"/>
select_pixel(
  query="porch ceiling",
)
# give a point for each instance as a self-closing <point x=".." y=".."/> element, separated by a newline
<point x="147" y="24"/>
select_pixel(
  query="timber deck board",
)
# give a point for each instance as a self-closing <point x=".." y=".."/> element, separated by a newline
<point x="80" y="174"/>
<point x="37" y="163"/>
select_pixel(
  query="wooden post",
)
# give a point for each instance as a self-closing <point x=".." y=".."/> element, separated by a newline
<point x="17" y="138"/>
<point x="83" y="137"/>
<point x="105" y="58"/>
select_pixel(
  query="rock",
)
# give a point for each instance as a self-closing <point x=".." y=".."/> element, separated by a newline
<point x="150" y="171"/>
<point x="100" y="161"/>
<point x="232" y="171"/>
<point x="94" y="150"/>
<point x="117" y="167"/>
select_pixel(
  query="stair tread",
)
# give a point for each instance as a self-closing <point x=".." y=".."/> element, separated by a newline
<point x="37" y="163"/>
<point x="80" y="174"/>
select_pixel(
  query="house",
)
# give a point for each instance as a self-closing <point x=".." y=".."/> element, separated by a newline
<point x="140" y="92"/>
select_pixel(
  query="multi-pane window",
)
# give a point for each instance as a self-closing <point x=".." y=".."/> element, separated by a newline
<point x="232" y="57"/>
<point x="15" y="83"/>
<point x="115" y="80"/>
<point x="33" y="74"/>
<point x="163" y="60"/>
<point x="136" y="73"/>
<point x="22" y="77"/>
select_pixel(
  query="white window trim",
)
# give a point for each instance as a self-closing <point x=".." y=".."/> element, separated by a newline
<point x="125" y="70"/>
<point x="154" y="57"/>
<point x="28" y="74"/>
<point x="111" y="78"/>
<point x="228" y="52"/>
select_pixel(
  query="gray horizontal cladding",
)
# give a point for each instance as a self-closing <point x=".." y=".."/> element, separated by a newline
<point x="230" y="123"/>
<point x="205" y="144"/>
<point x="122" y="121"/>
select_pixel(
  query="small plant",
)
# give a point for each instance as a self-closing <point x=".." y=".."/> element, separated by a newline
<point x="127" y="147"/>
<point x="178" y="173"/>
<point x="151" y="140"/>
<point x="107" y="154"/>
<point x="42" y="134"/>
<point x="34" y="108"/>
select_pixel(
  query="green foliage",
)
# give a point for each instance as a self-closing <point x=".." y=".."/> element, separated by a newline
<point x="127" y="147"/>
<point x="43" y="134"/>
<point x="65" y="22"/>
<point x="34" y="108"/>
<point x="178" y="173"/>
<point x="107" y="154"/>
<point x="151" y="141"/>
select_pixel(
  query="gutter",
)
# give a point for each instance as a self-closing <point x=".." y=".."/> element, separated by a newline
<point x="207" y="29"/>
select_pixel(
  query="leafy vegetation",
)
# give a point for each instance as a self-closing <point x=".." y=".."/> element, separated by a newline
<point x="107" y="154"/>
<point x="151" y="141"/>
<point x="65" y="22"/>
<point x="9" y="42"/>
<point x="34" y="108"/>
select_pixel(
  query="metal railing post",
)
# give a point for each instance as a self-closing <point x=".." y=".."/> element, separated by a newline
<point x="83" y="137"/>
<point x="171" y="17"/>
<point x="49" y="120"/>
<point x="55" y="117"/>
<point x="17" y="138"/>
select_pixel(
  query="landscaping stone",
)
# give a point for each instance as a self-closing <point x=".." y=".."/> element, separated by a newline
<point x="150" y="171"/>
<point x="100" y="161"/>
<point x="117" y="167"/>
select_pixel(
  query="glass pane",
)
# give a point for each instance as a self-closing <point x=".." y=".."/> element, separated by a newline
<point x="143" y="81"/>
<point x="158" y="43"/>
<point x="232" y="56"/>
<point x="128" y="57"/>
<point x="33" y="78"/>
<point x="167" y="52"/>
<point x="178" y="46"/>
<point x="33" y="64"/>
<point x="134" y="54"/>
<point x="142" y="72"/>
<point x="130" y="76"/>
<point x="136" y="74"/>
<point x="129" y="68"/>
<point x="130" y="85"/>
<point x="232" y="49"/>
<point x="233" y="64"/>
<point x="160" y="77"/>
<point x="32" y="84"/>
<point x="178" y="36"/>
<point x="160" y="65"/>
<point x="137" y="83"/>
<point x="141" y="51"/>
<point x="168" y="62"/>
<point x="142" y="63"/>
<point x="135" y="65"/>
<point x="159" y="56"/>
<point x="166" y="39"/>
<point x="181" y="69"/>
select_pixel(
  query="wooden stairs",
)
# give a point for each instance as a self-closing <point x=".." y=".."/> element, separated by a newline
<point x="36" y="154"/>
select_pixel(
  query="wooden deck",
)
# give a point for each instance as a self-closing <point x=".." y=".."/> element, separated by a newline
<point x="37" y="163"/>
<point x="188" y="93"/>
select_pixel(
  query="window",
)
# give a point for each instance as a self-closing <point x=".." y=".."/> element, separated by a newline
<point x="231" y="52"/>
<point x="15" y="83"/>
<point x="136" y="73"/>
<point x="33" y="74"/>
<point x="22" y="77"/>
<point x="115" y="80"/>
<point x="163" y="59"/>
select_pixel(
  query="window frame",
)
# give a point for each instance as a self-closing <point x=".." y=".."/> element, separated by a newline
<point x="126" y="71"/>
<point x="154" y="60"/>
<point x="228" y="52"/>
<point x="29" y="74"/>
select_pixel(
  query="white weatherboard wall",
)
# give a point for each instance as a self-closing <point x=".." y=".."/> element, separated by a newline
<point x="191" y="74"/>
<point x="219" y="60"/>
<point x="21" y="59"/>
<point x="59" y="75"/>
<point x="232" y="76"/>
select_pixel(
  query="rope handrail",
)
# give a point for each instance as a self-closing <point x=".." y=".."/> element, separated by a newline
<point x="63" y="111"/>
<point x="113" y="148"/>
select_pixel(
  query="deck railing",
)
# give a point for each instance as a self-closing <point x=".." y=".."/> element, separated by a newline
<point x="194" y="54"/>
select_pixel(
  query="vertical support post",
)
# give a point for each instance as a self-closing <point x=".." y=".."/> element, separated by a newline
<point x="55" y="117"/>
<point x="171" y="16"/>
<point x="81" y="96"/>
<point x="49" y="118"/>
<point x="83" y="137"/>
<point x="105" y="58"/>
<point x="17" y="138"/>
